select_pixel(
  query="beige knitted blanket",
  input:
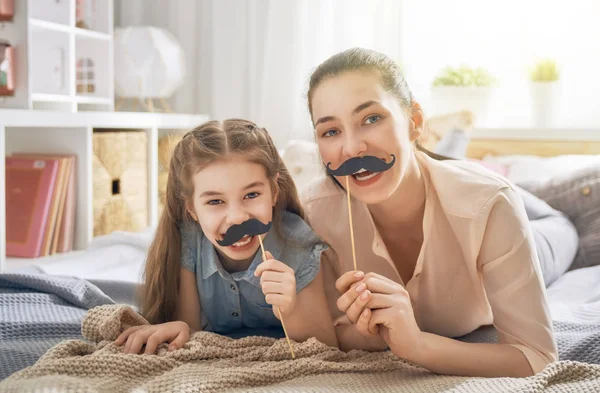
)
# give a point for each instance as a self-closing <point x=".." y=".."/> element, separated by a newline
<point x="213" y="363"/>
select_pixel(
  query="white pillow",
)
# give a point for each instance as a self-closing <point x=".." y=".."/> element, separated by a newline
<point x="526" y="168"/>
<point x="303" y="161"/>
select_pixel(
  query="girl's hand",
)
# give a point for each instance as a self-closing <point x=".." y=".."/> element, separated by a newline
<point x="386" y="310"/>
<point x="278" y="283"/>
<point x="177" y="333"/>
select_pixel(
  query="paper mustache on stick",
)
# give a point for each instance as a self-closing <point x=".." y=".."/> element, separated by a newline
<point x="235" y="233"/>
<point x="355" y="164"/>
<point x="369" y="163"/>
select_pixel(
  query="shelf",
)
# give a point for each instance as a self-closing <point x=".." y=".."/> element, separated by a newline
<point x="42" y="24"/>
<point x="91" y="34"/>
<point x="50" y="97"/>
<point x="47" y="119"/>
<point x="93" y="100"/>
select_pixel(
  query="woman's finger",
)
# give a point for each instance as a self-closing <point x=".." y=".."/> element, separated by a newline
<point x="379" y="300"/>
<point x="380" y="284"/>
<point x="358" y="306"/>
<point x="363" y="323"/>
<point x="345" y="301"/>
<point x="343" y="283"/>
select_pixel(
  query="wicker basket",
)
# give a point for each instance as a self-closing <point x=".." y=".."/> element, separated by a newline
<point x="120" y="181"/>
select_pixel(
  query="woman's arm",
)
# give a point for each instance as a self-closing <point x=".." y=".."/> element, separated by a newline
<point x="188" y="301"/>
<point x="444" y="355"/>
<point x="310" y="316"/>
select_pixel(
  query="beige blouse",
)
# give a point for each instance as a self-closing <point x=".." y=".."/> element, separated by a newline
<point x="477" y="266"/>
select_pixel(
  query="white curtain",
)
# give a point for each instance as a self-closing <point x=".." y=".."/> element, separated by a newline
<point x="253" y="58"/>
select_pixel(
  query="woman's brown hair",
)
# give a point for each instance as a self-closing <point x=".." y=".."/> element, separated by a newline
<point x="199" y="147"/>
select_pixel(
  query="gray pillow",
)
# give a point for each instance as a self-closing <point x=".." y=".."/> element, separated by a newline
<point x="577" y="194"/>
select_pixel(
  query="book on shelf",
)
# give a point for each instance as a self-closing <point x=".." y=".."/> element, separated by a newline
<point x="40" y="204"/>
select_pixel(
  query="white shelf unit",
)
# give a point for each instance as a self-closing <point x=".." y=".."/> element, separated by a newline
<point x="56" y="132"/>
<point x="49" y="46"/>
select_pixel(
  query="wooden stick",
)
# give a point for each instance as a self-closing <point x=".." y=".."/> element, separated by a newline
<point x="262" y="247"/>
<point x="350" y="218"/>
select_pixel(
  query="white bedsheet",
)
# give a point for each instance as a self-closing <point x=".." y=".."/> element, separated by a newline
<point x="119" y="256"/>
<point x="575" y="296"/>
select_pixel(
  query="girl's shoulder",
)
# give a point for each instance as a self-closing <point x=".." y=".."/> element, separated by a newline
<point x="301" y="248"/>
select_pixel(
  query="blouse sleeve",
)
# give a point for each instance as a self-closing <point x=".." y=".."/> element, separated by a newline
<point x="513" y="281"/>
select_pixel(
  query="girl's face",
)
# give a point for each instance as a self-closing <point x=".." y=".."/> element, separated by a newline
<point x="228" y="192"/>
<point x="355" y="116"/>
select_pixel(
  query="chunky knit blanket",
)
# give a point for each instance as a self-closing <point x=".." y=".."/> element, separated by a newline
<point x="214" y="363"/>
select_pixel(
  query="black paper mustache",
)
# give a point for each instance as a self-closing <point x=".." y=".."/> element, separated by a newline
<point x="235" y="233"/>
<point x="355" y="164"/>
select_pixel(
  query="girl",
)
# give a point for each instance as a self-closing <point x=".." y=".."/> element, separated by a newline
<point x="224" y="178"/>
<point x="446" y="245"/>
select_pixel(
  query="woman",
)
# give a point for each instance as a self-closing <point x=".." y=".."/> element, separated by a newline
<point x="446" y="245"/>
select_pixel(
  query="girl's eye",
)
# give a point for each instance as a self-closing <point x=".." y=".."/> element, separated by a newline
<point x="372" y="119"/>
<point x="214" y="202"/>
<point x="252" y="195"/>
<point x="330" y="133"/>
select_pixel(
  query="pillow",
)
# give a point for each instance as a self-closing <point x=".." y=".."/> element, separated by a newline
<point x="493" y="166"/>
<point x="302" y="159"/>
<point x="525" y="168"/>
<point x="577" y="194"/>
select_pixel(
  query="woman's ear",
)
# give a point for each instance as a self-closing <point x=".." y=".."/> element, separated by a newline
<point x="416" y="122"/>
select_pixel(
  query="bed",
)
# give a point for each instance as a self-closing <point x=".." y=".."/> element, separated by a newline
<point x="45" y="311"/>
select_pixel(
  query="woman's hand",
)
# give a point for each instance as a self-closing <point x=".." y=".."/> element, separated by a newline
<point x="380" y="306"/>
<point x="278" y="282"/>
<point x="177" y="333"/>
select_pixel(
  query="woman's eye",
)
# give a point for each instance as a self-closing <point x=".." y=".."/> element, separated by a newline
<point x="252" y="195"/>
<point x="330" y="133"/>
<point x="372" y="119"/>
<point x="214" y="202"/>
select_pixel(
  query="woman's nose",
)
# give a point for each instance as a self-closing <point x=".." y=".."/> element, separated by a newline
<point x="354" y="145"/>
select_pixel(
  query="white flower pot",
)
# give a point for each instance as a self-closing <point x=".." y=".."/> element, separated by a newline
<point x="544" y="103"/>
<point x="477" y="99"/>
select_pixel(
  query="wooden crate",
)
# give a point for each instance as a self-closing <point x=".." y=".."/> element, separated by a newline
<point x="120" y="171"/>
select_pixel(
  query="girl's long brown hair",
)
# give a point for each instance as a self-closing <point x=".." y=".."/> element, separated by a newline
<point x="209" y="142"/>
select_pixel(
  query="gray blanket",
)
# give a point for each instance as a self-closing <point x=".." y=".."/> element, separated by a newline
<point x="39" y="311"/>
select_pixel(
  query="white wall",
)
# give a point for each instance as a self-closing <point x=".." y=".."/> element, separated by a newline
<point x="253" y="58"/>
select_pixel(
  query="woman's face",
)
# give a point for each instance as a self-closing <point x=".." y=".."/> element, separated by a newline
<point x="354" y="116"/>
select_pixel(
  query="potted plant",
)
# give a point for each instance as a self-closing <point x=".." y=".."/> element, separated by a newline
<point x="463" y="88"/>
<point x="544" y="89"/>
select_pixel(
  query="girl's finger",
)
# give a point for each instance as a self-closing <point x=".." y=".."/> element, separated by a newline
<point x="273" y="288"/>
<point x="276" y="299"/>
<point x="139" y="340"/>
<point x="272" y="265"/>
<point x="179" y="340"/>
<point x="123" y="336"/>
<point x="272" y="276"/>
